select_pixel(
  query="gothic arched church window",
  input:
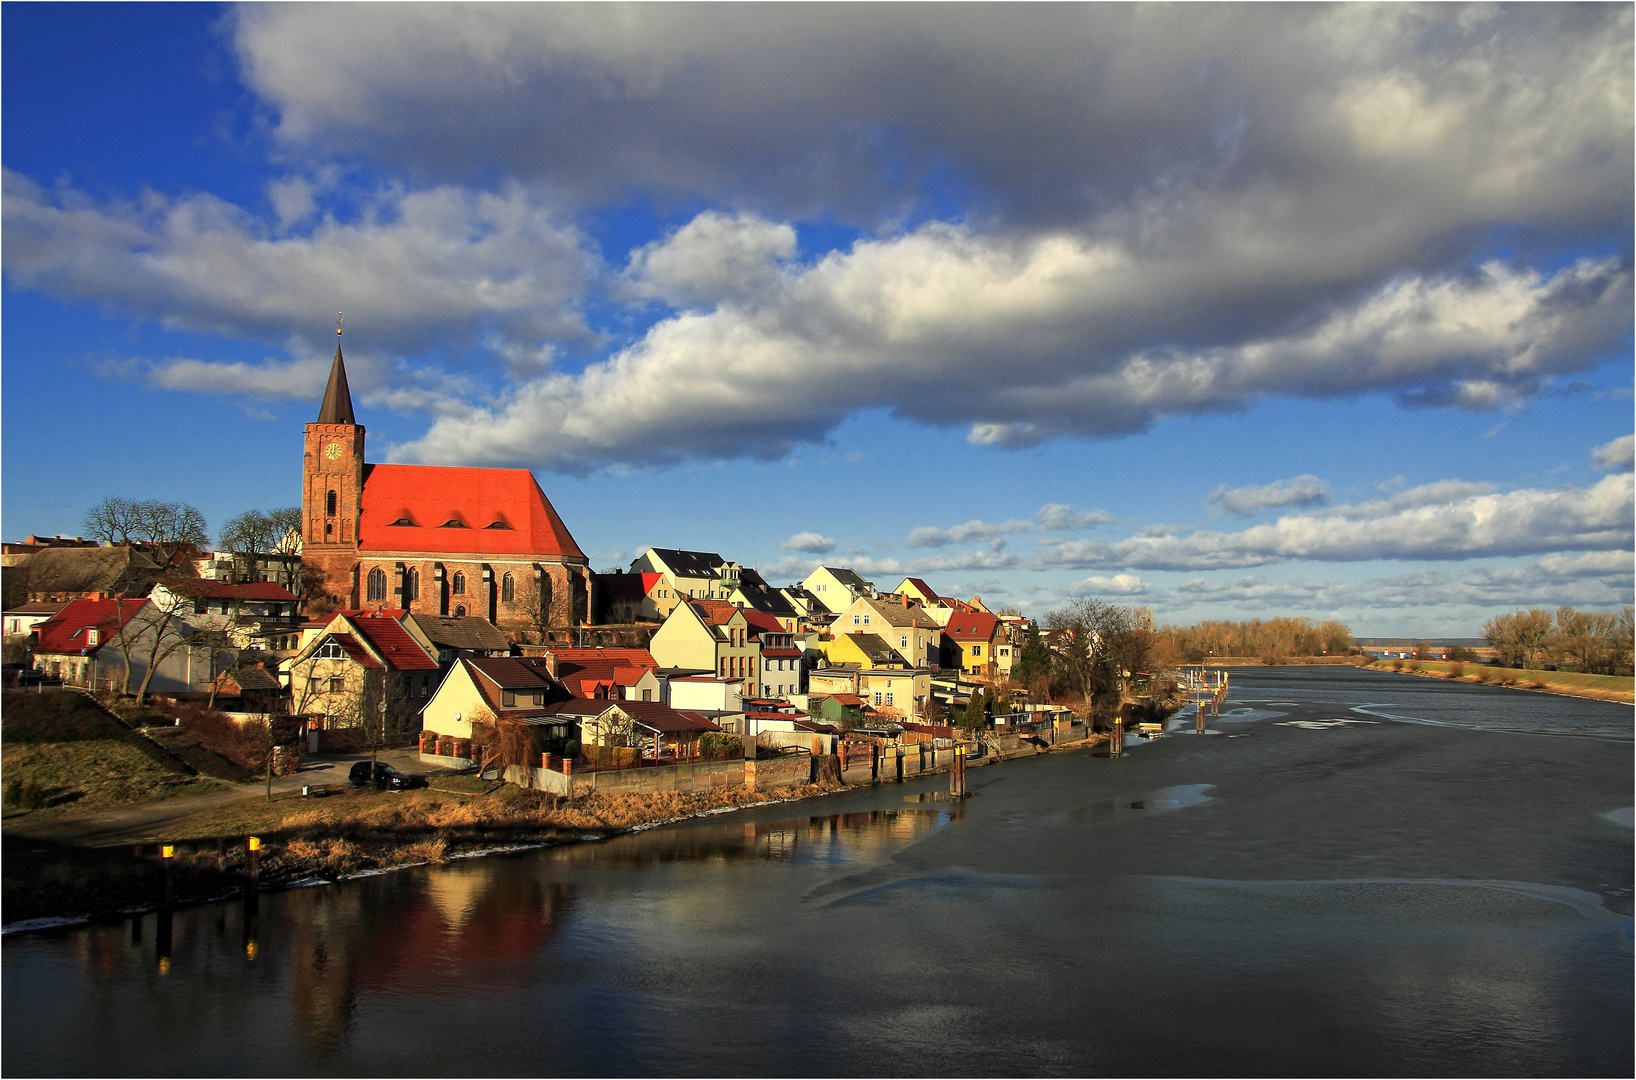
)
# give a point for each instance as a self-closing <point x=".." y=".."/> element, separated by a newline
<point x="508" y="589"/>
<point x="377" y="584"/>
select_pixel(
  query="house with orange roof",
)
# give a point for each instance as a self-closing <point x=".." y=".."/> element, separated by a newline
<point x="429" y="539"/>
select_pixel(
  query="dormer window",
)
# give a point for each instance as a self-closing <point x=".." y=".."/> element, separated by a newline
<point x="498" y="523"/>
<point x="453" y="523"/>
<point x="403" y="521"/>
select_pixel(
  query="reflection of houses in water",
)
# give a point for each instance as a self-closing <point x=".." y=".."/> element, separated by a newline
<point x="831" y="838"/>
<point x="426" y="934"/>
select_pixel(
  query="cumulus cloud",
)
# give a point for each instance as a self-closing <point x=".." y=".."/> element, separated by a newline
<point x="1051" y="517"/>
<point x="914" y="324"/>
<point x="1207" y="207"/>
<point x="1116" y="585"/>
<point x="1469" y="525"/>
<point x="415" y="270"/>
<point x="1060" y="516"/>
<point x="715" y="258"/>
<point x="990" y="532"/>
<point x="1394" y="121"/>
<point x="1303" y="490"/>
<point x="1616" y="456"/>
<point x="812" y="542"/>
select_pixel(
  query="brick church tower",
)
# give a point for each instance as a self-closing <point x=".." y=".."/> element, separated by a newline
<point x="430" y="539"/>
<point x="332" y="493"/>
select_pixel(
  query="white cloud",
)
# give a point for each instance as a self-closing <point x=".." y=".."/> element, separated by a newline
<point x="1060" y="516"/>
<point x="1617" y="455"/>
<point x="1466" y="525"/>
<point x="990" y="532"/>
<point x="1381" y="124"/>
<point x="810" y="542"/>
<point x="714" y="258"/>
<point x="417" y="269"/>
<point x="1304" y="490"/>
<point x="1117" y="585"/>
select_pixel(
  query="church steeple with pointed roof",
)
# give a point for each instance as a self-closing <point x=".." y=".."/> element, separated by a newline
<point x="337" y="407"/>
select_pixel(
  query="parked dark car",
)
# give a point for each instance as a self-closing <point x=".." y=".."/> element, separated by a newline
<point x="385" y="776"/>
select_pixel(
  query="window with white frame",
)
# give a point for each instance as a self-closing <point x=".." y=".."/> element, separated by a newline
<point x="888" y="697"/>
<point x="877" y="697"/>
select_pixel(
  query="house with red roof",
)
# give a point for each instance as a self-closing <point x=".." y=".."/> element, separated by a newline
<point x="365" y="666"/>
<point x="92" y="642"/>
<point x="433" y="540"/>
<point x="974" y="641"/>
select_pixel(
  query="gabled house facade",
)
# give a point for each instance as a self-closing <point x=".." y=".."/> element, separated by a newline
<point x="697" y="575"/>
<point x="718" y="636"/>
<point x="836" y="587"/>
<point x="973" y="641"/>
<point x="633" y="597"/>
<point x="365" y="666"/>
<point x="752" y="591"/>
<point x="513" y="688"/>
<point x="907" y="630"/>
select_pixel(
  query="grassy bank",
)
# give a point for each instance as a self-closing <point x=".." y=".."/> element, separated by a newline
<point x="59" y="752"/>
<point x="1602" y="687"/>
<point x="332" y="837"/>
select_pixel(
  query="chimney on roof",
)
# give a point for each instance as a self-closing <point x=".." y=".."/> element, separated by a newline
<point x="551" y="663"/>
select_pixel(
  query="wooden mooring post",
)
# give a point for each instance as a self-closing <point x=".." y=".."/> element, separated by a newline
<point x="1116" y="741"/>
<point x="957" y="772"/>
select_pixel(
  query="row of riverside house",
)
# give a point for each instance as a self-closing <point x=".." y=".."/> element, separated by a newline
<point x="441" y="605"/>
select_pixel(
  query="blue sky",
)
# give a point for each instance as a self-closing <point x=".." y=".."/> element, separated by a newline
<point x="1236" y="312"/>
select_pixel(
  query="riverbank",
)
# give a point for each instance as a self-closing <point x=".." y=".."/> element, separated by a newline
<point x="345" y="834"/>
<point x="1598" y="687"/>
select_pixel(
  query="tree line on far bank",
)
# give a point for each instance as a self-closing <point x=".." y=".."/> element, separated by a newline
<point x="1592" y="642"/>
<point x="1266" y="639"/>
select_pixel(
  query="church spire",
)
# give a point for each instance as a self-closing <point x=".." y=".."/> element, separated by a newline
<point x="337" y="407"/>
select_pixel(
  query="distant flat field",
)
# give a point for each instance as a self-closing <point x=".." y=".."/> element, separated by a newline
<point x="1604" y="687"/>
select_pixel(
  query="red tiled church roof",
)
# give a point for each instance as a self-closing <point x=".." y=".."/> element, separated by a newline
<point x="429" y="497"/>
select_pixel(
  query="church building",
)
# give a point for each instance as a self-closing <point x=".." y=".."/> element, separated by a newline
<point x="433" y="540"/>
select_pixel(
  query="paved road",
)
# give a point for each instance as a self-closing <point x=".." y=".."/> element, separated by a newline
<point x="145" y="821"/>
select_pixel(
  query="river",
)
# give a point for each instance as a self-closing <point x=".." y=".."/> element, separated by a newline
<point x="1363" y="873"/>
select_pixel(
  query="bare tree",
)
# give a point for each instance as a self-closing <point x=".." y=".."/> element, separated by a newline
<point x="537" y="606"/>
<point x="249" y="536"/>
<point x="114" y="520"/>
<point x="1521" y="636"/>
<point x="152" y="634"/>
<point x="174" y="528"/>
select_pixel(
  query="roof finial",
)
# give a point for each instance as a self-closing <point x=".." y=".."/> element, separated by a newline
<point x="338" y="322"/>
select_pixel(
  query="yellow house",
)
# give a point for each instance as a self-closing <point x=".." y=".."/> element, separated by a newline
<point x="714" y="635"/>
<point x="699" y="575"/>
<point x="487" y="688"/>
<point x="864" y="650"/>
<point x="898" y="694"/>
<point x="921" y="592"/>
<point x="909" y="631"/>
<point x="976" y="639"/>
<point x="836" y="587"/>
